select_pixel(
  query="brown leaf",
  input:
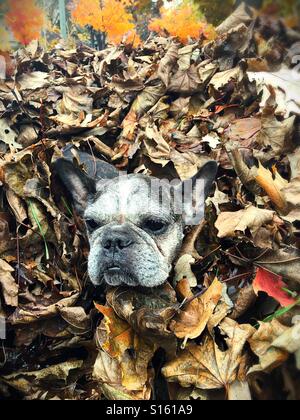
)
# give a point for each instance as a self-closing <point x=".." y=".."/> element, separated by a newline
<point x="132" y="352"/>
<point x="183" y="270"/>
<point x="108" y="375"/>
<point x="185" y="82"/>
<point x="284" y="262"/>
<point x="192" y="320"/>
<point x="51" y="376"/>
<point x="246" y="298"/>
<point x="148" y="98"/>
<point x="261" y="345"/>
<point x="147" y="311"/>
<point x="244" y="129"/>
<point x="76" y="317"/>
<point x="167" y="63"/>
<point x="275" y="133"/>
<point x="206" y="366"/>
<point x="243" y="14"/>
<point x="251" y="218"/>
<point x="9" y="286"/>
<point x="290" y="340"/>
<point x="222" y="79"/>
<point x="33" y="80"/>
<point x="37" y="309"/>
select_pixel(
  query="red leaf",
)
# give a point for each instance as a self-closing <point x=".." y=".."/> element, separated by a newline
<point x="273" y="285"/>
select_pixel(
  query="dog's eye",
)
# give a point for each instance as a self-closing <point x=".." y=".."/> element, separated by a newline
<point x="92" y="224"/>
<point x="156" y="226"/>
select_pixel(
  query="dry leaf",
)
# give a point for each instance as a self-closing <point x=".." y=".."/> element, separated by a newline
<point x="108" y="375"/>
<point x="46" y="378"/>
<point x="9" y="286"/>
<point x="261" y="345"/>
<point x="183" y="270"/>
<point x="273" y="187"/>
<point x="206" y="366"/>
<point x="252" y="218"/>
<point x="148" y="312"/>
<point x="192" y="320"/>
<point x="131" y="351"/>
<point x="290" y="340"/>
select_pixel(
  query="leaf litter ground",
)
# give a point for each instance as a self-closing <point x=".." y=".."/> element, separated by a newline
<point x="226" y="325"/>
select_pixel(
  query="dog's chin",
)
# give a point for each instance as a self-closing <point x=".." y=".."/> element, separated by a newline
<point x="122" y="278"/>
<point x="118" y="279"/>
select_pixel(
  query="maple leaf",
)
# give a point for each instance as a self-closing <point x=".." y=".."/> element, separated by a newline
<point x="272" y="284"/>
<point x="205" y="366"/>
<point x="25" y="19"/>
<point x="118" y="339"/>
<point x="119" y="333"/>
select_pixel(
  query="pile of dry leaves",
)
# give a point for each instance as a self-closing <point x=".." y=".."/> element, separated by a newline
<point x="162" y="109"/>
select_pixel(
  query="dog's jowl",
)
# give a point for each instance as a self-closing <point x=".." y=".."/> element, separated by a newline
<point x="134" y="223"/>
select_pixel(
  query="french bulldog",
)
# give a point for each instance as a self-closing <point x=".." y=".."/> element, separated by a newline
<point x="134" y="235"/>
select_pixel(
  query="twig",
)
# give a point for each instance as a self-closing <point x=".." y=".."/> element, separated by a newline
<point x="208" y="255"/>
<point x="186" y="301"/>
<point x="237" y="277"/>
<point x="236" y="257"/>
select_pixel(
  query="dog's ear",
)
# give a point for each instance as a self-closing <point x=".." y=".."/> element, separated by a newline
<point x="79" y="185"/>
<point x="95" y="168"/>
<point x="195" y="192"/>
<point x="207" y="174"/>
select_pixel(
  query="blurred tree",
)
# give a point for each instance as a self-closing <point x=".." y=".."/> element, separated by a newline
<point x="184" y="21"/>
<point x="25" y="19"/>
<point x="252" y="3"/>
<point x="283" y="8"/>
<point x="4" y="39"/>
<point x="217" y="10"/>
<point x="62" y="18"/>
<point x="109" y="20"/>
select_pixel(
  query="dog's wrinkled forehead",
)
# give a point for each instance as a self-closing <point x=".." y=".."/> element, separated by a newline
<point x="129" y="197"/>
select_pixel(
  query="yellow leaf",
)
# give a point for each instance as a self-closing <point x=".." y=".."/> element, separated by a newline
<point x="272" y="187"/>
<point x="119" y="336"/>
<point x="130" y="352"/>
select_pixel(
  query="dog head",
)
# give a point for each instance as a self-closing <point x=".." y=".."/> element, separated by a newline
<point x="135" y="223"/>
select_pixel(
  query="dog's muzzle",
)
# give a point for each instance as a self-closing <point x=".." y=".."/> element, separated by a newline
<point x="116" y="243"/>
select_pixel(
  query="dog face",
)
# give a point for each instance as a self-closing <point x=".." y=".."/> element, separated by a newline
<point x="134" y="227"/>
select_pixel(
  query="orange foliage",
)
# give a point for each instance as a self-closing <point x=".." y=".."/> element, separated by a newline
<point x="108" y="16"/>
<point x="4" y="40"/>
<point x="182" y="22"/>
<point x="25" y="19"/>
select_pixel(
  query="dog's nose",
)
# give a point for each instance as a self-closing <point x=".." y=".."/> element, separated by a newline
<point x="117" y="243"/>
<point x="116" y="240"/>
